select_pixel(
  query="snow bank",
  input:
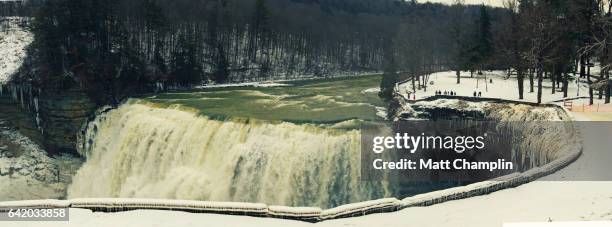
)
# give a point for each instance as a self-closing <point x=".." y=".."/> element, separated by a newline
<point x="13" y="43"/>
<point x="283" y="83"/>
<point x="27" y="172"/>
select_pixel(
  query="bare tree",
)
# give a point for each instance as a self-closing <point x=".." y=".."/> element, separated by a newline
<point x="601" y="42"/>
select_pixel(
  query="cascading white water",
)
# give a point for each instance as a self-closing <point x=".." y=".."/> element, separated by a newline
<point x="139" y="150"/>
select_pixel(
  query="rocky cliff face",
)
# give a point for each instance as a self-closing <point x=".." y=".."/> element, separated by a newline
<point x="50" y="118"/>
<point x="62" y="116"/>
<point x="12" y="116"/>
<point x="26" y="170"/>
<point x="455" y="107"/>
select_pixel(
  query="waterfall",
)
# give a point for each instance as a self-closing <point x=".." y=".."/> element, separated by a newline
<point x="139" y="150"/>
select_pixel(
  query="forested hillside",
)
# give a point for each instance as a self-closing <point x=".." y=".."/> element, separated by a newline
<point x="111" y="46"/>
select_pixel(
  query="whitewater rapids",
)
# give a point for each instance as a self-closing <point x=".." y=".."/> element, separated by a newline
<point x="142" y="151"/>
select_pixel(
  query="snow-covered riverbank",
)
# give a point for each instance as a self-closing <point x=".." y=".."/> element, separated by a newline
<point x="283" y="83"/>
<point x="27" y="172"/>
<point x="496" y="85"/>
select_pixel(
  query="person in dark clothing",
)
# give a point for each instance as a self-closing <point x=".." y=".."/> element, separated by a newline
<point x="475" y="94"/>
<point x="479" y="94"/>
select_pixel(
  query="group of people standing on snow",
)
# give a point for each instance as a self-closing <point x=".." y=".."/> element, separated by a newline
<point x="451" y="93"/>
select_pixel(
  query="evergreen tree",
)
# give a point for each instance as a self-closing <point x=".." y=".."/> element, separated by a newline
<point x="221" y="74"/>
<point x="158" y="58"/>
<point x="457" y="33"/>
<point x="186" y="70"/>
<point x="390" y="77"/>
<point x="259" y="29"/>
<point x="484" y="46"/>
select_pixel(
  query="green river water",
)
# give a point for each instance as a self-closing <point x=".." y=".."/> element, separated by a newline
<point x="307" y="101"/>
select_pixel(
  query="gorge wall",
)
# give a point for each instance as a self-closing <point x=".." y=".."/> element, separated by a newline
<point x="62" y="116"/>
<point x="51" y="118"/>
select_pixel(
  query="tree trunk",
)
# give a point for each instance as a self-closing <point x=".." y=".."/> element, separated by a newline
<point x="602" y="75"/>
<point x="588" y="74"/>
<point x="458" y="76"/>
<point x="520" y="77"/>
<point x="576" y="66"/>
<point x="565" y="84"/>
<point x="553" y="76"/>
<point x="606" y="72"/>
<point x="609" y="89"/>
<point x="424" y="83"/>
<point x="413" y="84"/>
<point x="582" y="68"/>
<point x="530" y="80"/>
<point x="540" y="85"/>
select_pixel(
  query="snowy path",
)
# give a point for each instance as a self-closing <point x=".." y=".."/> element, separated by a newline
<point x="538" y="201"/>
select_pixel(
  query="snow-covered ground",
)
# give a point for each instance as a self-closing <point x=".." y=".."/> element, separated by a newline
<point x="14" y="40"/>
<point x="500" y="88"/>
<point x="27" y="172"/>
